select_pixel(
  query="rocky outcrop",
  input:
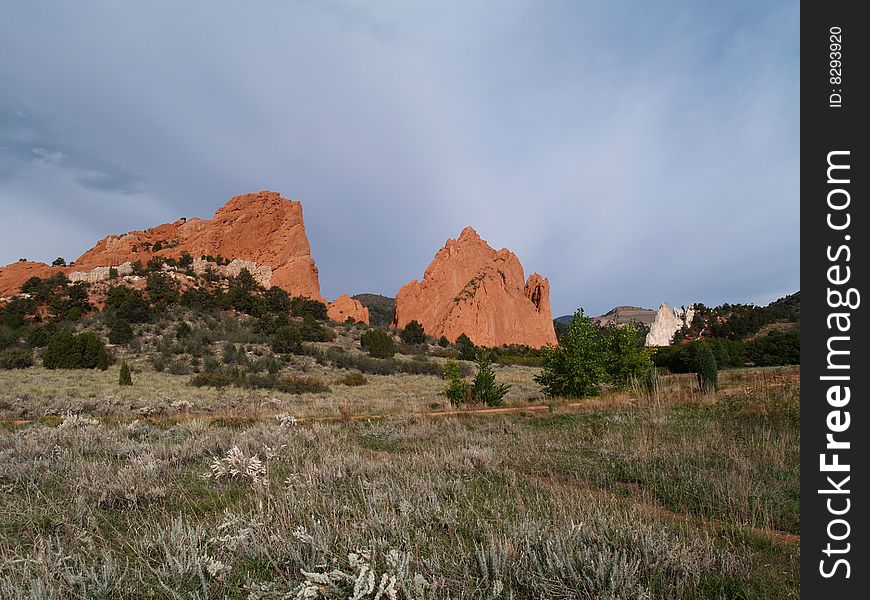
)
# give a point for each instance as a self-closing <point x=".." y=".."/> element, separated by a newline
<point x="13" y="275"/>
<point x="263" y="232"/>
<point x="471" y="288"/>
<point x="344" y="307"/>
<point x="98" y="274"/>
<point x="261" y="274"/>
<point x="668" y="322"/>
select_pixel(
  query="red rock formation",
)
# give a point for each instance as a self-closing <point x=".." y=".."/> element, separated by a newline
<point x="470" y="288"/>
<point x="345" y="307"/>
<point x="13" y="275"/>
<point x="263" y="228"/>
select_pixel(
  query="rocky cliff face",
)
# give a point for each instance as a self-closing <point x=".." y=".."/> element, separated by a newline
<point x="471" y="288"/>
<point x="667" y="323"/>
<point x="264" y="231"/>
<point x="344" y="307"/>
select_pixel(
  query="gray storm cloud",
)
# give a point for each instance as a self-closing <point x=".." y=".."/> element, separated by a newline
<point x="633" y="152"/>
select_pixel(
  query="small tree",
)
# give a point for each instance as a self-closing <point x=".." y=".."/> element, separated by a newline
<point x="485" y="388"/>
<point x="287" y="340"/>
<point x="58" y="262"/>
<point x="625" y="358"/>
<point x="457" y="389"/>
<point x="125" y="378"/>
<point x="443" y="341"/>
<point x="113" y="273"/>
<point x="413" y="333"/>
<point x="120" y="331"/>
<point x="706" y="369"/>
<point x="466" y="348"/>
<point x="576" y="367"/>
<point x="378" y="343"/>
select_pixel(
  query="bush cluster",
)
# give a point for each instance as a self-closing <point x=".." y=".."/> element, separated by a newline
<point x="82" y="351"/>
<point x="378" y="343"/>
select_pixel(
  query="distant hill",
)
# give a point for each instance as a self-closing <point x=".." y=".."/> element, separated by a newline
<point x="382" y="309"/>
<point x="619" y="314"/>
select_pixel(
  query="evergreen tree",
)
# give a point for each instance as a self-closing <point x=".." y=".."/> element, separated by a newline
<point x="413" y="333"/>
<point x="706" y="369"/>
<point x="485" y="388"/>
<point x="466" y="348"/>
<point x="125" y="378"/>
<point x="457" y="389"/>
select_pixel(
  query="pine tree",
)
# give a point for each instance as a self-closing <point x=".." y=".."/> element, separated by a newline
<point x="125" y="377"/>
<point x="706" y="369"/>
<point x="457" y="390"/>
<point x="485" y="388"/>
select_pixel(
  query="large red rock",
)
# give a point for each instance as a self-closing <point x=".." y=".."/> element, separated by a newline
<point x="344" y="307"/>
<point x="262" y="228"/>
<point x="473" y="289"/>
<point x="13" y="275"/>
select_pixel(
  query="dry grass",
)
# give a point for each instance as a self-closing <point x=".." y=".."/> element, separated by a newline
<point x="218" y="493"/>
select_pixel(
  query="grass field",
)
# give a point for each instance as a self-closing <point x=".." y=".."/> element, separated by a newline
<point x="166" y="490"/>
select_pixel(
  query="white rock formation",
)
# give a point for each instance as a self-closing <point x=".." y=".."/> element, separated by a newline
<point x="100" y="273"/>
<point x="261" y="274"/>
<point x="667" y="323"/>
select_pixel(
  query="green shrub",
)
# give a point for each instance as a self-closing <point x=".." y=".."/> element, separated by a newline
<point x="413" y="333"/>
<point x="9" y="337"/>
<point x="484" y="388"/>
<point x="457" y="390"/>
<point x="182" y="330"/>
<point x="306" y="307"/>
<point x="466" y="348"/>
<point x="58" y="262"/>
<point x="378" y="343"/>
<point x="287" y="340"/>
<point x="576" y="367"/>
<point x="120" y="331"/>
<point x="625" y="358"/>
<point x="16" y="358"/>
<point x="125" y="377"/>
<point x="775" y="348"/>
<point x="40" y="334"/>
<point x="127" y="304"/>
<point x="443" y="342"/>
<point x="375" y="366"/>
<point x="83" y="351"/>
<point x="706" y="369"/>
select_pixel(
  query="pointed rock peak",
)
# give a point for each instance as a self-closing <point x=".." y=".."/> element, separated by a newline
<point x="469" y="234"/>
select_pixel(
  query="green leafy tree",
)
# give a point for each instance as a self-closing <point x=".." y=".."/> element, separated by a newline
<point x="58" y="262"/>
<point x="485" y="389"/>
<point x="466" y="348"/>
<point x="457" y="389"/>
<point x="378" y="343"/>
<point x="576" y="367"/>
<point x="706" y="369"/>
<point x="413" y="333"/>
<point x="125" y="377"/>
<point x="625" y="358"/>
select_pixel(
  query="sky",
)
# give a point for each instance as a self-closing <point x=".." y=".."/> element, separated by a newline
<point x="632" y="152"/>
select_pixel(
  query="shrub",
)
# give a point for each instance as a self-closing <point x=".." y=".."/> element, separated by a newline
<point x="706" y="369"/>
<point x="457" y="390"/>
<point x="287" y="340"/>
<point x="125" y="377"/>
<point x="312" y="331"/>
<point x="625" y="358"/>
<point x="576" y="367"/>
<point x="413" y="333"/>
<point x="378" y="343"/>
<point x="182" y="330"/>
<point x="127" y="304"/>
<point x="775" y="348"/>
<point x="9" y="337"/>
<point x="466" y="348"/>
<point x="113" y="273"/>
<point x="485" y="389"/>
<point x="83" y="351"/>
<point x="40" y="334"/>
<point x="443" y="342"/>
<point x="161" y="289"/>
<point x="120" y="331"/>
<point x="58" y="262"/>
<point x="16" y="358"/>
<point x="272" y="367"/>
<point x="302" y="307"/>
<point x="353" y="379"/>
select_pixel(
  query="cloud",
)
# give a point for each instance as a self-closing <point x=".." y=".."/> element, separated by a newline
<point x="632" y="153"/>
